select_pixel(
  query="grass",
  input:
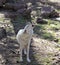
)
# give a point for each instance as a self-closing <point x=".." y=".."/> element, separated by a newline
<point x="47" y="31"/>
<point x="43" y="33"/>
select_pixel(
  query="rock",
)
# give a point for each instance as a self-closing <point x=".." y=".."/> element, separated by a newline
<point x="2" y="2"/>
<point x="11" y="14"/>
<point x="41" y="21"/>
<point x="33" y="14"/>
<point x="21" y="11"/>
<point x="46" y="10"/>
<point x="9" y="6"/>
<point x="53" y="14"/>
<point x="49" y="12"/>
<point x="19" y="6"/>
<point x="57" y="54"/>
<point x="3" y="33"/>
<point x="14" y="6"/>
<point x="10" y="1"/>
<point x="55" y="1"/>
<point x="54" y="58"/>
<point x="2" y="60"/>
<point x="25" y="12"/>
<point x="2" y="15"/>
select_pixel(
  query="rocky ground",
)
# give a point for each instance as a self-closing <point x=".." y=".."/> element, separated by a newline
<point x="45" y="46"/>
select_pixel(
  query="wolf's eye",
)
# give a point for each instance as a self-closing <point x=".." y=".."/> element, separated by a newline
<point x="32" y="25"/>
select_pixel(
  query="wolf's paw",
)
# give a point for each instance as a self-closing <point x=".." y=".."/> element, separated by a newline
<point x="28" y="60"/>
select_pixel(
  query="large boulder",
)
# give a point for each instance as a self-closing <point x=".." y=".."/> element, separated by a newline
<point x="46" y="10"/>
<point x="49" y="12"/>
<point x="14" y="6"/>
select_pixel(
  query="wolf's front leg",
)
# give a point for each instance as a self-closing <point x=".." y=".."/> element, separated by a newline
<point x="25" y="51"/>
<point x="28" y="47"/>
<point x="21" y="59"/>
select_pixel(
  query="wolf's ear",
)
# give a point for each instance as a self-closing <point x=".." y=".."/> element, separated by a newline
<point x="28" y="23"/>
<point x="26" y="27"/>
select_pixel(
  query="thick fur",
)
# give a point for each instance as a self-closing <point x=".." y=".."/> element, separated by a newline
<point x="24" y="38"/>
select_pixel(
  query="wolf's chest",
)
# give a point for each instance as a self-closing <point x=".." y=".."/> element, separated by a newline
<point x="25" y="37"/>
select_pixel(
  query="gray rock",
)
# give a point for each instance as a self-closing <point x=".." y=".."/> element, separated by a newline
<point x="46" y="9"/>
<point x="41" y="21"/>
<point x="3" y="33"/>
<point x="49" y="12"/>
<point x="11" y="14"/>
